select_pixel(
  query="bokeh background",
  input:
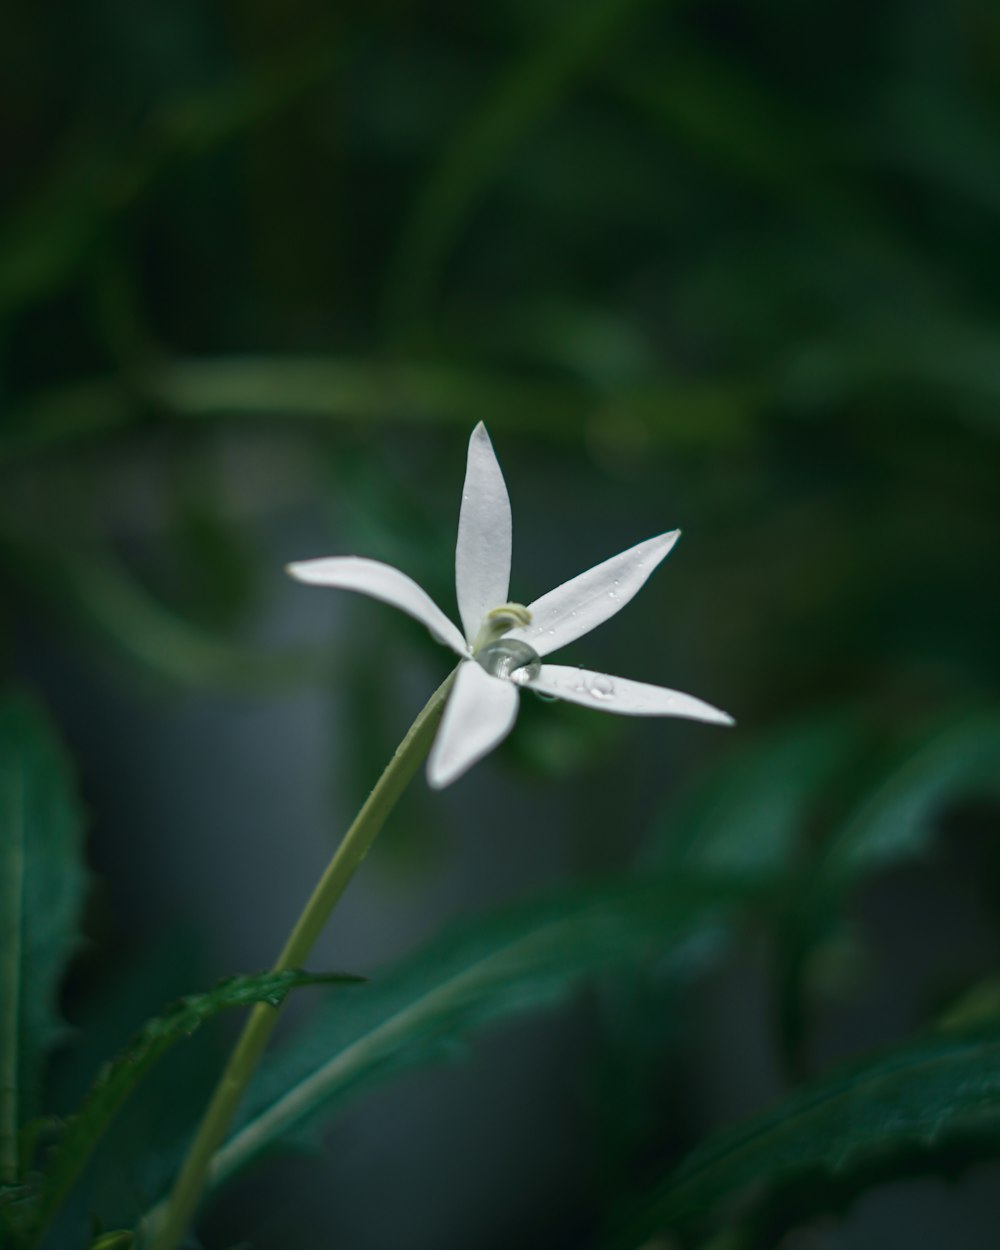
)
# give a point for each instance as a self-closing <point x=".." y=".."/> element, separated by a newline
<point x="731" y="267"/>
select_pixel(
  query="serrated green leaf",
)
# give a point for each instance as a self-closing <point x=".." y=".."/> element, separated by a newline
<point x="908" y="1110"/>
<point x="41" y="894"/>
<point x="522" y="960"/>
<point x="122" y="1074"/>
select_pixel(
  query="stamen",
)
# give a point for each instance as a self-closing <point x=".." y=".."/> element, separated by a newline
<point x="498" y="621"/>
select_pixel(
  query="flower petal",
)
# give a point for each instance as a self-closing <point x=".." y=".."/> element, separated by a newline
<point x="480" y="713"/>
<point x="381" y="581"/>
<point x="580" y="605"/>
<point x="618" y="694"/>
<point x="482" y="554"/>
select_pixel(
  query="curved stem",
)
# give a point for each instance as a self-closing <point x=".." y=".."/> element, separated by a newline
<point x="165" y="1225"/>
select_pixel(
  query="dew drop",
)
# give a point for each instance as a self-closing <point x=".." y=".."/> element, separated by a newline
<point x="508" y="656"/>
<point x="602" y="687"/>
<point x="545" y="698"/>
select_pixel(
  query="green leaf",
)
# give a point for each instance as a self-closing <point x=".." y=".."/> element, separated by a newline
<point x="925" y="1106"/>
<point x="897" y="818"/>
<point x="892" y="821"/>
<point x="333" y="392"/>
<point x="120" y="1077"/>
<point x="821" y="803"/>
<point x="752" y="811"/>
<point x="887" y="821"/>
<point x="41" y="894"/>
<point x="524" y="94"/>
<point x="522" y="960"/>
<point x="86" y="581"/>
<point x="55" y="232"/>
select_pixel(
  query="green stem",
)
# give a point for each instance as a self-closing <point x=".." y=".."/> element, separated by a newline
<point x="166" y="1225"/>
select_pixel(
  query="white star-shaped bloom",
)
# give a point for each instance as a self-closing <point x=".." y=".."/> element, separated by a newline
<point x="503" y="643"/>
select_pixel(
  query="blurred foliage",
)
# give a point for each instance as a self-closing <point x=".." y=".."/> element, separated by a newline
<point x="78" y="1136"/>
<point x="472" y="976"/>
<point x="931" y="1105"/>
<point x="723" y="265"/>
<point x="41" y="899"/>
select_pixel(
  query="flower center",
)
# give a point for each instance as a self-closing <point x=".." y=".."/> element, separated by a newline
<point x="497" y="622"/>
<point x="508" y="656"/>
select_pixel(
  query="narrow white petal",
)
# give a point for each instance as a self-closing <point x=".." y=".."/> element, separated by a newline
<point x="482" y="554"/>
<point x="480" y="713"/>
<point x="580" y="605"/>
<point x="381" y="581"/>
<point x="618" y="694"/>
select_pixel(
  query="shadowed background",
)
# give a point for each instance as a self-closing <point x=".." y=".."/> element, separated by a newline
<point x="727" y="267"/>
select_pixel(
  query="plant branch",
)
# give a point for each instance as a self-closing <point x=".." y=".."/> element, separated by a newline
<point x="166" y="1225"/>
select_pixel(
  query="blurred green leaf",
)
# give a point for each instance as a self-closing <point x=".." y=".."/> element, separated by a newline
<point x="730" y="116"/>
<point x="668" y="410"/>
<point x="816" y="808"/>
<point x="96" y="589"/>
<point x="56" y="231"/>
<point x="524" y="94"/>
<point x="66" y="415"/>
<point x="147" y="631"/>
<point x="42" y="882"/>
<point x="953" y="761"/>
<point x="523" y="960"/>
<point x="752" y="812"/>
<point x="921" y="362"/>
<point x="768" y="808"/>
<point x="121" y="1239"/>
<point x="746" y="125"/>
<point x="924" y="1106"/>
<point x="120" y="1076"/>
<point x="554" y="743"/>
<point x="891" y="821"/>
<point x="213" y="569"/>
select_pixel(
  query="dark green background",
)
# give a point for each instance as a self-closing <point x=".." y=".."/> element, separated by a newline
<point x="728" y="267"/>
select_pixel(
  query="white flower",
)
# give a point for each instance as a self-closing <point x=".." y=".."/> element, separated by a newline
<point x="504" y="642"/>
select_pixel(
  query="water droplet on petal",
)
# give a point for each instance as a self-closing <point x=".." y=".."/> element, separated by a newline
<point x="602" y="687"/>
<point x="509" y="656"/>
<point x="545" y="698"/>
